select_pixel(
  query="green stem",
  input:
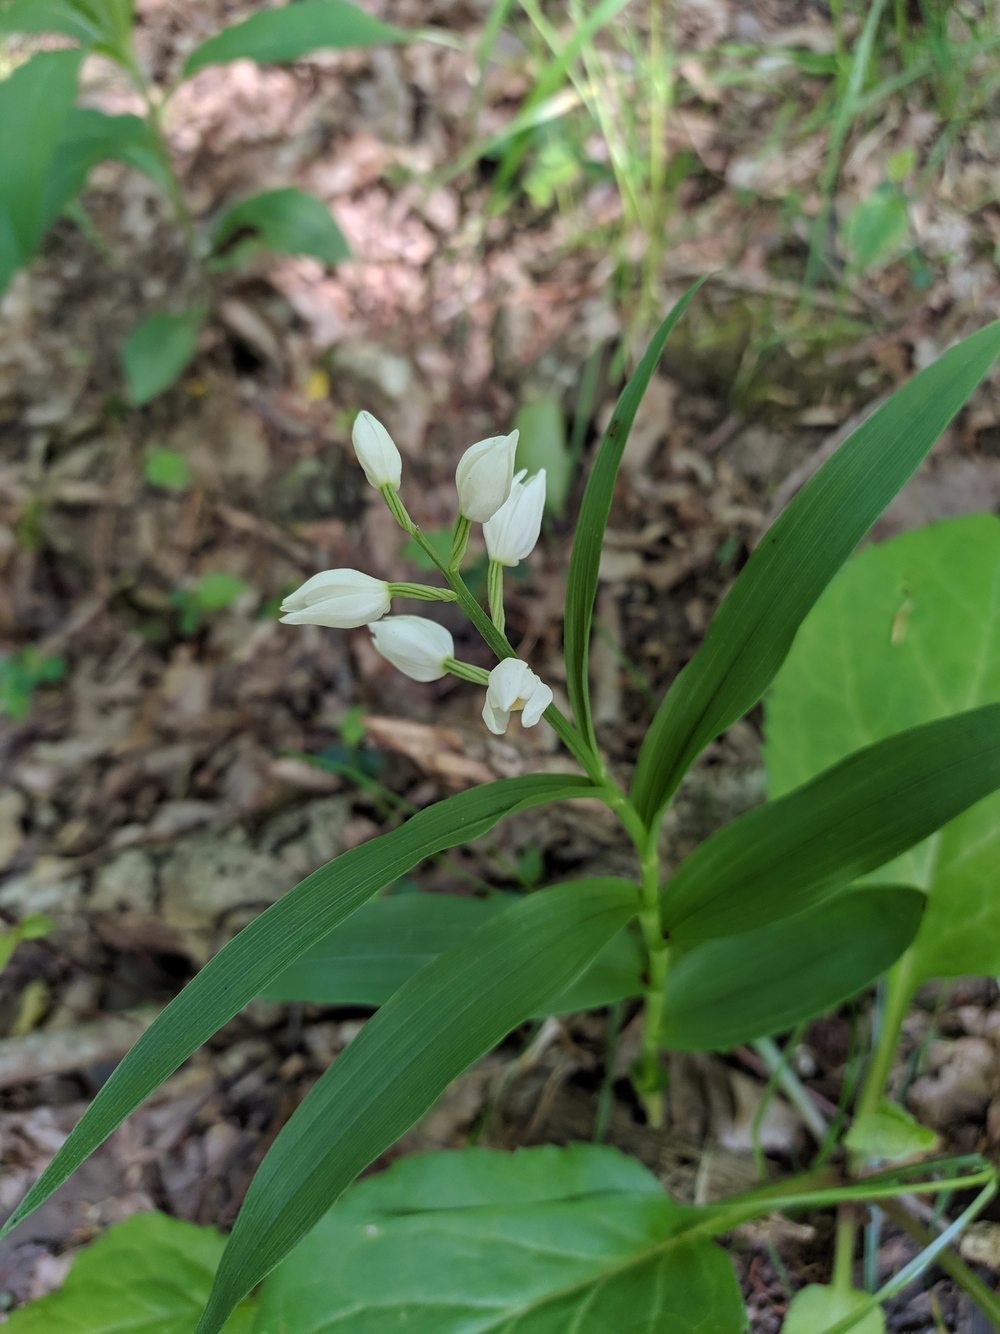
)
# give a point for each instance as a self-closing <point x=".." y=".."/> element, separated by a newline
<point x="953" y="1265"/>
<point x="154" y="116"/>
<point x="494" y="586"/>
<point x="423" y="592"/>
<point x="843" y="1255"/>
<point x="460" y="542"/>
<point x="793" y="1088"/>
<point x="900" y="989"/>
<point x="479" y="676"/>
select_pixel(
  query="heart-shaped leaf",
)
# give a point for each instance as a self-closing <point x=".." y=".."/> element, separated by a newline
<point x="909" y="631"/>
<point x="541" y="1240"/>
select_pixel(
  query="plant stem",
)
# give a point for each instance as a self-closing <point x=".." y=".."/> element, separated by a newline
<point x="843" y="1255"/>
<point x="154" y="116"/>
<point x="898" y="992"/>
<point x="952" y="1264"/>
<point x="460" y="541"/>
<point x="494" y="585"/>
<point x="650" y="1083"/>
<point x="793" y="1088"/>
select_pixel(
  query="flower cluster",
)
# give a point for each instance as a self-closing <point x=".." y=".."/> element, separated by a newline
<point x="510" y="510"/>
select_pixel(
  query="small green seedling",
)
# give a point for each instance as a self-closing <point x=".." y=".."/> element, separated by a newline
<point x="166" y="468"/>
<point x="21" y="673"/>
<point x="32" y="927"/>
<point x="213" y="592"/>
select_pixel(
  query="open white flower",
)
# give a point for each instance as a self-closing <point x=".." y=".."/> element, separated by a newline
<point x="417" y="646"/>
<point x="376" y="451"/>
<point x="513" y="531"/>
<point x="341" y="599"/>
<point x="484" y="476"/>
<point x="513" y="685"/>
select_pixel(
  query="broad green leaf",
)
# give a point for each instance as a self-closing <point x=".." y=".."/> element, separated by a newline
<point x="148" y="1275"/>
<point x="815" y="1308"/>
<point x="728" y="991"/>
<point x="581" y="588"/>
<point x="909" y="631"/>
<point x="217" y="590"/>
<point x="889" y="1134"/>
<point x="90" y="137"/>
<point x="795" y="560"/>
<point x="541" y="1241"/>
<point x="157" y="351"/>
<point x="542" y="444"/>
<point x="877" y="228"/>
<point x="288" y="220"/>
<point x="35" y="102"/>
<point x="244" y="967"/>
<point x="292" y="31"/>
<point x="437" y="1024"/>
<point x="50" y="16"/>
<point x="385" y="942"/>
<point x="850" y="820"/>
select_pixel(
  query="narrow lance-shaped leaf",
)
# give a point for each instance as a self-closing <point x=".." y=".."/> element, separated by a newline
<point x="724" y="992"/>
<point x="243" y="968"/>
<point x="797" y="557"/>
<point x="442" y="1020"/>
<point x="581" y="588"/>
<point x="294" y="30"/>
<point x="386" y="941"/>
<point x="851" y="819"/>
<point x="158" y="350"/>
<point x="90" y="137"/>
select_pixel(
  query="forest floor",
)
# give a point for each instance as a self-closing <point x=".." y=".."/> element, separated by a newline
<point x="158" y="795"/>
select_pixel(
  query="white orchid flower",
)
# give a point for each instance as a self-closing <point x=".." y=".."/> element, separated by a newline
<point x="417" y="646"/>
<point x="484" y="475"/>
<point x="377" y="452"/>
<point x="513" y="685"/>
<point x="513" y="531"/>
<point x="340" y="599"/>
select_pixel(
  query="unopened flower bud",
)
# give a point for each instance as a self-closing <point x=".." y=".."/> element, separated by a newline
<point x="337" y="598"/>
<point x="376" y="451"/>
<point x="513" y="531"/>
<point x="513" y="685"/>
<point x="417" y="646"/>
<point x="484" y="475"/>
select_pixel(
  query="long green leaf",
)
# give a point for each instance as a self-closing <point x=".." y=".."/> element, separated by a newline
<point x="292" y="31"/>
<point x="441" y="1021"/>
<point x="795" y="560"/>
<point x="34" y="103"/>
<point x="90" y="137"/>
<point x="581" y="588"/>
<point x="725" y="992"/>
<point x="542" y="1241"/>
<point x="104" y="25"/>
<point x="385" y="942"/>
<point x="851" y="819"/>
<point x="158" y="350"/>
<point x="288" y="220"/>
<point x="241" y="970"/>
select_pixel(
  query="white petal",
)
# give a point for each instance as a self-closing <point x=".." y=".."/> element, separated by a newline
<point x="414" y="644"/>
<point x="509" y="681"/>
<point x="484" y="475"/>
<point x="376" y="451"/>
<point x="535" y="706"/>
<point x="330" y="583"/>
<point x="495" y="719"/>
<point x="513" y="531"/>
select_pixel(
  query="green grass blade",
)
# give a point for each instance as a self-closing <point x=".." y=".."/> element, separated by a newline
<point x="729" y="991"/>
<point x="241" y="970"/>
<point x="795" y="560"/>
<point x="291" y="31"/>
<point x="441" y="1021"/>
<point x="850" y="820"/>
<point x="582" y="585"/>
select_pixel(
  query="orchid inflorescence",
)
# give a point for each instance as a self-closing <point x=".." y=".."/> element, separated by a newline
<point x="510" y="510"/>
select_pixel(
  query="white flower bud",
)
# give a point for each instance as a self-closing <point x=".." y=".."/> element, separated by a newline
<point x="484" y="475"/>
<point x="513" y="685"/>
<point x="513" y="531"/>
<point x="417" y="646"/>
<point x="338" y="598"/>
<point x="376" y="451"/>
